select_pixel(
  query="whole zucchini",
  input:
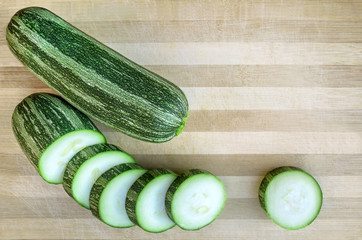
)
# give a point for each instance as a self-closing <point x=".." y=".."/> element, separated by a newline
<point x="96" y="79"/>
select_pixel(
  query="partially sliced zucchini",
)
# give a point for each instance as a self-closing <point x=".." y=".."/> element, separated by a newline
<point x="195" y="199"/>
<point x="87" y="165"/>
<point x="108" y="194"/>
<point x="145" y="203"/>
<point x="50" y="131"/>
<point x="291" y="197"/>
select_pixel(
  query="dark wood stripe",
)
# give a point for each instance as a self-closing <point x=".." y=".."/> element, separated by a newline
<point x="249" y="208"/>
<point x="221" y="165"/>
<point x="270" y="120"/>
<point x="236" y="186"/>
<point x="37" y="207"/>
<point x="333" y="76"/>
<point x="250" y="30"/>
<point x="16" y="164"/>
<point x="205" y="10"/>
<point x="256" y="164"/>
<point x="19" y="77"/>
<point x="235" y="208"/>
<point x="248" y="120"/>
<point x="252" y="229"/>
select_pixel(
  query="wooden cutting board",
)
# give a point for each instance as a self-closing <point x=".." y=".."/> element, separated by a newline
<point x="269" y="83"/>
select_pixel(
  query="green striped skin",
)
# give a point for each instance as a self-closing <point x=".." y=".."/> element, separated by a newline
<point x="81" y="157"/>
<point x="95" y="79"/>
<point x="268" y="178"/>
<point x="176" y="184"/>
<point x="136" y="189"/>
<point x="104" y="180"/>
<point x="42" y="118"/>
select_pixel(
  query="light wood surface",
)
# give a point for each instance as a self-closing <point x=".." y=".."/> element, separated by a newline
<point x="269" y="83"/>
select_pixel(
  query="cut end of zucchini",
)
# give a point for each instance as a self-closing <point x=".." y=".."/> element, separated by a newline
<point x="195" y="199"/>
<point x="181" y="128"/>
<point x="291" y="197"/>
<point x="54" y="159"/>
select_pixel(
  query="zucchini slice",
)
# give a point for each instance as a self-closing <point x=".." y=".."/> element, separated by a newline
<point x="145" y="203"/>
<point x="291" y="197"/>
<point x="50" y="131"/>
<point x="195" y="199"/>
<point x="87" y="165"/>
<point x="108" y="194"/>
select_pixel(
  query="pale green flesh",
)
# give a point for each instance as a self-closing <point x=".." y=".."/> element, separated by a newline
<point x="293" y="199"/>
<point x="111" y="205"/>
<point x="54" y="159"/>
<point x="150" y="207"/>
<point x="91" y="169"/>
<point x="198" y="201"/>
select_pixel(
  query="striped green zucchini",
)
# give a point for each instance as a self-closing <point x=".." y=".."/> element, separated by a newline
<point x="95" y="79"/>
<point x="50" y="132"/>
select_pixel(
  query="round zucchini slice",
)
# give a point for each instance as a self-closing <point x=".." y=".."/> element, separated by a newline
<point x="291" y="197"/>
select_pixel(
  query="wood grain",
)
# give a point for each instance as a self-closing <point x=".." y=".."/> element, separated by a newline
<point x="269" y="83"/>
